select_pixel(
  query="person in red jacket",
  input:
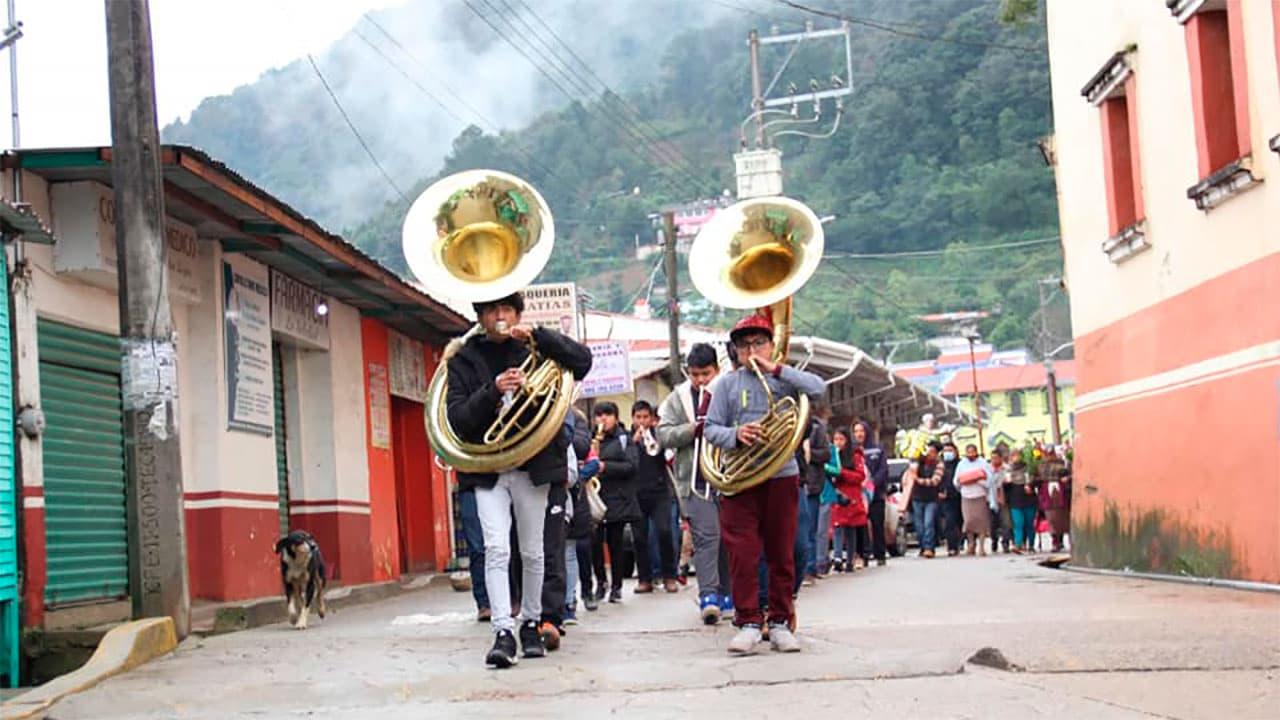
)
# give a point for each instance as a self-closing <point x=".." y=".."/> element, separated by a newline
<point x="849" y="514"/>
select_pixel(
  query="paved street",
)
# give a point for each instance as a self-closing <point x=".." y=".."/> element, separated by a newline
<point x="892" y="642"/>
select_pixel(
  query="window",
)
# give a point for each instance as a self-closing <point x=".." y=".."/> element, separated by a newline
<point x="1015" y="404"/>
<point x="1113" y="90"/>
<point x="1219" y="97"/>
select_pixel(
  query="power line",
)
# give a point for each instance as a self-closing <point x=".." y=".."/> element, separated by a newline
<point x="529" y="158"/>
<point x="637" y="119"/>
<point x="936" y="253"/>
<point x="558" y="84"/>
<point x="354" y="131"/>
<point x="884" y="27"/>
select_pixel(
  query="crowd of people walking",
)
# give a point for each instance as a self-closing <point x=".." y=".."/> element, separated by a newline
<point x="604" y="500"/>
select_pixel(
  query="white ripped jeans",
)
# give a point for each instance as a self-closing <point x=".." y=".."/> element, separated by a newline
<point x="514" y="490"/>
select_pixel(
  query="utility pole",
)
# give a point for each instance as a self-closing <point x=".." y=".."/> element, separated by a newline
<point x="673" y="297"/>
<point x="757" y="93"/>
<point x="157" y="545"/>
<point x="1051" y="380"/>
<point x="977" y="397"/>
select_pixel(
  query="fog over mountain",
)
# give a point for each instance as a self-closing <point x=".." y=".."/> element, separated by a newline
<point x="285" y="120"/>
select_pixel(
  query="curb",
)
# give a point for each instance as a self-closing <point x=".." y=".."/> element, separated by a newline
<point x="233" y="617"/>
<point x="122" y="648"/>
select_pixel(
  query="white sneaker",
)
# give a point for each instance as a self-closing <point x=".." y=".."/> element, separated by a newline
<point x="782" y="639"/>
<point x="745" y="642"/>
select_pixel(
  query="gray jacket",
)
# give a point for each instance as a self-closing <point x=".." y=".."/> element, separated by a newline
<point x="675" y="430"/>
<point x="739" y="399"/>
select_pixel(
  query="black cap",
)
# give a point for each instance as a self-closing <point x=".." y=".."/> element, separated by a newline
<point x="514" y="300"/>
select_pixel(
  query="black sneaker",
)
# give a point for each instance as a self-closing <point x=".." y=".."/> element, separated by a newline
<point x="590" y="603"/>
<point x="615" y="595"/>
<point x="503" y="654"/>
<point x="531" y="640"/>
<point x="601" y="593"/>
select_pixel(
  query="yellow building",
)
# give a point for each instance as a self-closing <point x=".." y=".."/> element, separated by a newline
<point x="1015" y="403"/>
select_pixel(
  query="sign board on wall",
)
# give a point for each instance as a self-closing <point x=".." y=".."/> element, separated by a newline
<point x="246" y="324"/>
<point x="610" y="370"/>
<point x="408" y="362"/>
<point x="86" y="248"/>
<point x="554" y="306"/>
<point x="294" y="311"/>
<point x="379" y="407"/>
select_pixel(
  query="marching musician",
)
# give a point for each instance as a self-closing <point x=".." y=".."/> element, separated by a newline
<point x="763" y="517"/>
<point x="653" y="491"/>
<point x="483" y="374"/>
<point x="680" y="424"/>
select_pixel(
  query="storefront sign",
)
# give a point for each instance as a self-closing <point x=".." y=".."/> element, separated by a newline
<point x="246" y="323"/>
<point x="379" y="407"/>
<point x="554" y="306"/>
<point x="610" y="370"/>
<point x="86" y="245"/>
<point x="408" y="367"/>
<point x="295" y="311"/>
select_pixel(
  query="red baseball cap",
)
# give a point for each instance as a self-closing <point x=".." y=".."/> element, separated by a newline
<point x="754" y="322"/>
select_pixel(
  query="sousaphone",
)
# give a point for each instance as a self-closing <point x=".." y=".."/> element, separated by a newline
<point x="477" y="236"/>
<point x="757" y="254"/>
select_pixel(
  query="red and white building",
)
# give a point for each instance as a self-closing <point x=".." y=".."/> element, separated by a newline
<point x="302" y="368"/>
<point x="1167" y="122"/>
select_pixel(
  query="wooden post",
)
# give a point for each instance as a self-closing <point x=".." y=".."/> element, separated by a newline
<point x="157" y="546"/>
<point x="673" y="297"/>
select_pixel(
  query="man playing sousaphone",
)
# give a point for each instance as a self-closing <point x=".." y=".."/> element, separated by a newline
<point x="761" y="518"/>
<point x="483" y="373"/>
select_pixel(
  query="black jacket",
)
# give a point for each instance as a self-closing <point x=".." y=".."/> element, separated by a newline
<point x="819" y="454"/>
<point x="877" y="468"/>
<point x="651" y="470"/>
<point x="472" y="399"/>
<point x="617" y="481"/>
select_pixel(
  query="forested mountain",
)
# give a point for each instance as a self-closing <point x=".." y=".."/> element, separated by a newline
<point x="936" y="150"/>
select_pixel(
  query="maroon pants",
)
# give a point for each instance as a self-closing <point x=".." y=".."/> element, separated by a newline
<point x="763" y="518"/>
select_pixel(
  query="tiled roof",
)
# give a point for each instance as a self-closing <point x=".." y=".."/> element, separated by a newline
<point x="1015" y="377"/>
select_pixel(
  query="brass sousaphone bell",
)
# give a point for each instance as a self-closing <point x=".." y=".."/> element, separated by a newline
<point x="757" y="254"/>
<point x="477" y="236"/>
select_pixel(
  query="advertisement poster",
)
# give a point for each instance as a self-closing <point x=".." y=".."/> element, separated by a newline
<point x="610" y="370"/>
<point x="246" y="323"/>
<point x="379" y="407"/>
<point x="554" y="306"/>
<point x="408" y="367"/>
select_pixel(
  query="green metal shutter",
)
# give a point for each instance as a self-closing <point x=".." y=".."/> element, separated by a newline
<point x="86" y="532"/>
<point x="282" y="458"/>
<point x="9" y="639"/>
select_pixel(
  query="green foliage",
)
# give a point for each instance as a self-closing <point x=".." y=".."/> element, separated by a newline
<point x="935" y="151"/>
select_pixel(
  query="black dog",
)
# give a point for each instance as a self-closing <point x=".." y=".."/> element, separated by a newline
<point x="303" y="575"/>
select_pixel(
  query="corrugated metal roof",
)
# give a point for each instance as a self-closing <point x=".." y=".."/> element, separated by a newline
<point x="225" y="206"/>
<point x="1015" y="377"/>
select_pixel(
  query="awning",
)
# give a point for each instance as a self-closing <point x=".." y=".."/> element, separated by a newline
<point x="224" y="206"/>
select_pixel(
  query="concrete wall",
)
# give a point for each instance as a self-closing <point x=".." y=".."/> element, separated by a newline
<point x="1177" y="347"/>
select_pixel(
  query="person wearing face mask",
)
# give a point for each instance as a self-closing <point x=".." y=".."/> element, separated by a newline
<point x="949" y="499"/>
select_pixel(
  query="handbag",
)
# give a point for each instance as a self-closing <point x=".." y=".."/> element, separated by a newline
<point x="595" y="503"/>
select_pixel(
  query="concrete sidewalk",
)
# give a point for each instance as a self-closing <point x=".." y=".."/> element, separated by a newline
<point x="891" y="641"/>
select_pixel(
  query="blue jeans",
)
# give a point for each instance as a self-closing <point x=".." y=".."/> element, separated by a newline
<point x="924" y="515"/>
<point x="804" y="537"/>
<point x="571" y="574"/>
<point x="475" y="545"/>
<point x="1024" y="525"/>
<point x="810" y="533"/>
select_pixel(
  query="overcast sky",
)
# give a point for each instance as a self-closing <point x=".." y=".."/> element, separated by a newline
<point x="202" y="48"/>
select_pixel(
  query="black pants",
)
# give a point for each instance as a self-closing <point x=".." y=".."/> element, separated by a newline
<point x="614" y="533"/>
<point x="875" y="511"/>
<point x="583" y="546"/>
<point x="597" y="557"/>
<point x="657" y="507"/>
<point x="553" y="536"/>
<point x="952" y="523"/>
